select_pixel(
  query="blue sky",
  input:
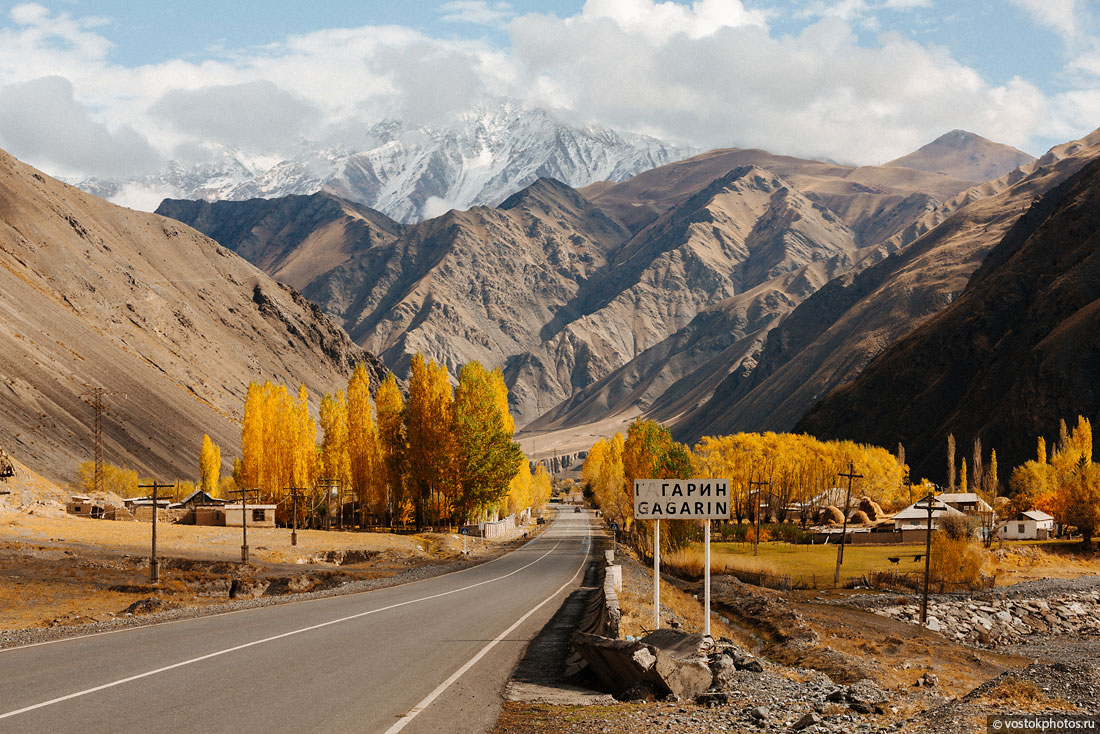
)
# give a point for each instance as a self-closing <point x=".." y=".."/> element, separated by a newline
<point x="118" y="88"/>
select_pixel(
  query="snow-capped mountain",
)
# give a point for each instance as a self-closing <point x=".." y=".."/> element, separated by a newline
<point x="413" y="173"/>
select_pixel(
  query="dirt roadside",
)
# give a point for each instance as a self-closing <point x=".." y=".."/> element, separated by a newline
<point x="62" y="575"/>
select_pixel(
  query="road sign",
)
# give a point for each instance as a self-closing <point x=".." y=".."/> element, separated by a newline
<point x="681" y="499"/>
<point x="614" y="527"/>
<point x="464" y="531"/>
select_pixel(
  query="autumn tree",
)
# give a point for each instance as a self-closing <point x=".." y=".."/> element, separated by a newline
<point x="486" y="457"/>
<point x="390" y="406"/>
<point x="950" y="462"/>
<point x="650" y="453"/>
<point x="364" y="451"/>
<point x="1077" y="503"/>
<point x="277" y="441"/>
<point x="210" y="464"/>
<point x="335" y="462"/>
<point x="431" y="445"/>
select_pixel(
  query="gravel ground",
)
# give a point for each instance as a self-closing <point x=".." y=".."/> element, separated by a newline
<point x="786" y="699"/>
<point x="1040" y="688"/>
<point x="1041" y="589"/>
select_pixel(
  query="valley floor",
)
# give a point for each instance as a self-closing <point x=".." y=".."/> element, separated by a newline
<point x="815" y="643"/>
<point x="63" y="575"/>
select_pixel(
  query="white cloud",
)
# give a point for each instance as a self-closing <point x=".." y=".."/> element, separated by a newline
<point x="709" y="73"/>
<point x="42" y="123"/>
<point x="1060" y="16"/>
<point x="477" y="12"/>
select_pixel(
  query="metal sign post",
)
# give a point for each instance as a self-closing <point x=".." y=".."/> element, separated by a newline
<point x="657" y="574"/>
<point x="706" y="579"/>
<point x="464" y="532"/>
<point x="681" y="499"/>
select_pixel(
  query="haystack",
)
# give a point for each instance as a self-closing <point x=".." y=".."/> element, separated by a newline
<point x="861" y="518"/>
<point x="870" y="508"/>
<point x="830" y="516"/>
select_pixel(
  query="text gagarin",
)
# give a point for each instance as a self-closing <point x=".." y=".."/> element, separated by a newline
<point x="681" y="499"/>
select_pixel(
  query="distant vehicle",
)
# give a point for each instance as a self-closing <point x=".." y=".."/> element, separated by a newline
<point x="540" y="521"/>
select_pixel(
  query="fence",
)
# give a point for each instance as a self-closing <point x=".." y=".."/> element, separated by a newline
<point x="909" y="581"/>
<point x="776" y="581"/>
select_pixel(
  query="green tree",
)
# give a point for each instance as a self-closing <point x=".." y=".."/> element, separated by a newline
<point x="486" y="456"/>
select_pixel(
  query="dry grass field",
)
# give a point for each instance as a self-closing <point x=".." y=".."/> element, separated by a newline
<point x="57" y="569"/>
<point x="1010" y="563"/>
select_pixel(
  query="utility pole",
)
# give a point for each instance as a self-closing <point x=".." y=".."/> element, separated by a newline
<point x="927" y="499"/>
<point x="758" y="483"/>
<point x="154" y="565"/>
<point x="294" y="513"/>
<point x="244" y="519"/>
<point x="851" y="474"/>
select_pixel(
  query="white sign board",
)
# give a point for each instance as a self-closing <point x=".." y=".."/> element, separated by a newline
<point x="681" y="499"/>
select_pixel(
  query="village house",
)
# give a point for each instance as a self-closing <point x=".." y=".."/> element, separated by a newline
<point x="915" y="516"/>
<point x="968" y="503"/>
<point x="259" y="516"/>
<point x="1030" y="525"/>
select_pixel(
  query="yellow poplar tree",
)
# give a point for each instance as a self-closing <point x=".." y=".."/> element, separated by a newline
<point x="390" y="406"/>
<point x="252" y="438"/>
<point x="363" y="449"/>
<point x="334" y="444"/>
<point x="430" y="440"/>
<point x="210" y="464"/>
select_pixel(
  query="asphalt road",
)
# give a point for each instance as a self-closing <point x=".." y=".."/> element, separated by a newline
<point x="431" y="656"/>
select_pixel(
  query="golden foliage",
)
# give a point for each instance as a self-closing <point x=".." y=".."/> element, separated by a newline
<point x="210" y="464"/>
<point x="123" y="482"/>
<point x="277" y="441"/>
<point x="957" y="562"/>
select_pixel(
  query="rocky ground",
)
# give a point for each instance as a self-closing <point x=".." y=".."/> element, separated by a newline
<point x="827" y="662"/>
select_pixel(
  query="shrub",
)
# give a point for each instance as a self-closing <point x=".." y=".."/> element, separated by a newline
<point x="956" y="562"/>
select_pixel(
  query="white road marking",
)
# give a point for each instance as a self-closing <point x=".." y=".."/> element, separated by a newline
<point x="427" y="701"/>
<point x="286" y="602"/>
<point x="218" y="653"/>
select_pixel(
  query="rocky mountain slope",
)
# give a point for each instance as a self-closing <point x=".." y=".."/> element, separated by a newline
<point x="608" y="300"/>
<point x="171" y="324"/>
<point x="965" y="155"/>
<point x="1017" y="351"/>
<point x="414" y="173"/>
<point x="830" y="338"/>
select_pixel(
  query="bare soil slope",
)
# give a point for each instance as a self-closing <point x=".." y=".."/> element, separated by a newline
<point x="834" y="333"/>
<point x="170" y="323"/>
<point x="1015" y="353"/>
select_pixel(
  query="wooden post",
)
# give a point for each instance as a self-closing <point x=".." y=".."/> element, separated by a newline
<point x="244" y="520"/>
<point x="154" y="564"/>
<point x="294" y="514"/>
<point x="851" y="474"/>
<point x="927" y="560"/>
